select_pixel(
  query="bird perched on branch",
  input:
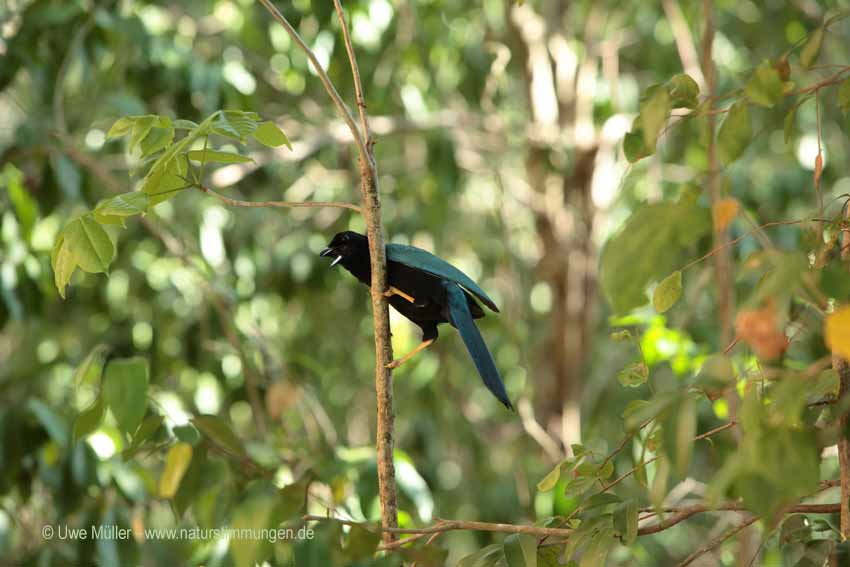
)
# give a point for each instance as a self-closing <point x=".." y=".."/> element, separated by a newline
<point x="428" y="291"/>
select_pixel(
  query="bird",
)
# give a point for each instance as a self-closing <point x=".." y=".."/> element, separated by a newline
<point x="428" y="291"/>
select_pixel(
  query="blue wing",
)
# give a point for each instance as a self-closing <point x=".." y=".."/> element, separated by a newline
<point x="461" y="319"/>
<point x="427" y="262"/>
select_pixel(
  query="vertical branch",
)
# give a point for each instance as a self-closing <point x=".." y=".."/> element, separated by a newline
<point x="842" y="368"/>
<point x="722" y="260"/>
<point x="380" y="309"/>
<point x="384" y="436"/>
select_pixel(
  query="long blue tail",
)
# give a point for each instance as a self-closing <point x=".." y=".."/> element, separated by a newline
<point x="463" y="322"/>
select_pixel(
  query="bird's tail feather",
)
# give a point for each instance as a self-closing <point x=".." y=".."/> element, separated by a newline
<point x="461" y="319"/>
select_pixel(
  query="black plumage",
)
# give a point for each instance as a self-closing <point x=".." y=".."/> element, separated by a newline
<point x="428" y="291"/>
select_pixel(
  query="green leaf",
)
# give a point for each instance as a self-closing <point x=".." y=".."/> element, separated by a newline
<point x="578" y="486"/>
<point x="258" y="511"/>
<point x="26" y="208"/>
<point x="82" y="243"/>
<point x="668" y="292"/>
<point x="215" y="156"/>
<point x="765" y="86"/>
<point x="634" y="146"/>
<point x="811" y="49"/>
<point x="120" y="206"/>
<point x="844" y="96"/>
<point x="684" y="91"/>
<point x="269" y="134"/>
<point x="628" y="518"/>
<point x="648" y="247"/>
<point x="120" y="128"/>
<point x="125" y="388"/>
<point x="88" y="420"/>
<point x="187" y="434"/>
<point x="716" y="372"/>
<point x="235" y="124"/>
<point x="360" y="544"/>
<point x="654" y="110"/>
<point x="633" y="375"/>
<point x="789" y="123"/>
<point x="735" y="134"/>
<point x="521" y="550"/>
<point x="148" y="427"/>
<point x="165" y="181"/>
<point x="220" y="432"/>
<point x="176" y="464"/>
<point x="598" y="549"/>
<point x="490" y="556"/>
<point x="142" y="126"/>
<point x="156" y="140"/>
<point x="184" y="125"/>
<point x="91" y="367"/>
<point x="550" y="480"/>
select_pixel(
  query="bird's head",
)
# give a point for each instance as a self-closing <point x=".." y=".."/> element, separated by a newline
<point x="345" y="245"/>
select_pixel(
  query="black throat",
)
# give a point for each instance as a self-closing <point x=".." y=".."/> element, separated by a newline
<point x="358" y="263"/>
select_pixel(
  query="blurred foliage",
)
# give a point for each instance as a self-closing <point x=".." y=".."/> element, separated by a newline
<point x="221" y="371"/>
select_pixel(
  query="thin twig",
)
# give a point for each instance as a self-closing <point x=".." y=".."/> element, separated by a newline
<point x="717" y="249"/>
<point x="355" y="72"/>
<point x="281" y="204"/>
<point x="323" y="76"/>
<point x="717" y="541"/>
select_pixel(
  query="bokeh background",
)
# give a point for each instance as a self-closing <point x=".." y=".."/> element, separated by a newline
<point x="499" y="132"/>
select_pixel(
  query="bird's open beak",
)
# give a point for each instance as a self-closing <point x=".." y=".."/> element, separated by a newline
<point x="331" y="252"/>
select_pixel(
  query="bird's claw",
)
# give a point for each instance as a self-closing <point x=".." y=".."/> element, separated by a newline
<point x="394" y="364"/>
<point x="392" y="290"/>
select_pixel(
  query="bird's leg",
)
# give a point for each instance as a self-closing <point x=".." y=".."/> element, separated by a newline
<point x="395" y="291"/>
<point x="422" y="346"/>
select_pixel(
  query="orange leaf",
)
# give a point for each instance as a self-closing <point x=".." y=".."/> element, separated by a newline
<point x="836" y="332"/>
<point x="759" y="329"/>
<point x="724" y="212"/>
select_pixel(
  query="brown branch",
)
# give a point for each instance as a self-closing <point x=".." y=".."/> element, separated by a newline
<point x="280" y="204"/>
<point x="371" y="210"/>
<point x="355" y="72"/>
<point x="842" y="368"/>
<point x="717" y="541"/>
<point x="717" y="249"/>
<point x="323" y="76"/>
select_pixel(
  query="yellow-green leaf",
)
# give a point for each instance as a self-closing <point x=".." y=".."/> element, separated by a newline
<point x="124" y="205"/>
<point x="269" y="134"/>
<point x="811" y="49"/>
<point x="143" y="433"/>
<point x="667" y="292"/>
<point x="88" y="420"/>
<point x="633" y="375"/>
<point x="844" y="96"/>
<point x="684" y="91"/>
<point x="84" y="243"/>
<point x="120" y="128"/>
<point x="219" y="431"/>
<point x="215" y="156"/>
<point x="94" y="359"/>
<point x="735" y="134"/>
<point x="550" y="480"/>
<point x="765" y="87"/>
<point x="176" y="464"/>
<point x="654" y="110"/>
<point x="125" y="389"/>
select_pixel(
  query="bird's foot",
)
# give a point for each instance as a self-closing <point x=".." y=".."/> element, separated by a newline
<point x="395" y="291"/>
<point x="399" y="361"/>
